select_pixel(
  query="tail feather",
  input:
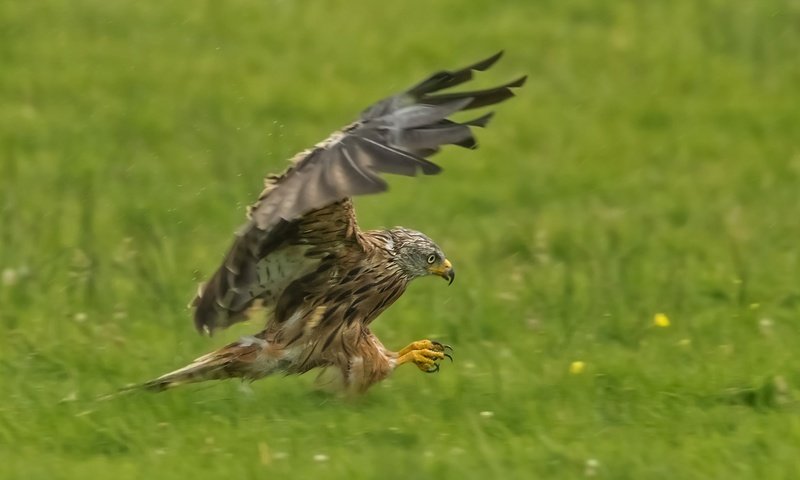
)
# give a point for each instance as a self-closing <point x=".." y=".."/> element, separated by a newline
<point x="204" y="368"/>
<point x="242" y="359"/>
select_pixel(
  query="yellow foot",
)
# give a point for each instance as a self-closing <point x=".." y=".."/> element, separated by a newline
<point x="425" y="354"/>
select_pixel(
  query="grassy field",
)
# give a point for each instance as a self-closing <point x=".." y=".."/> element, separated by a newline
<point x="650" y="165"/>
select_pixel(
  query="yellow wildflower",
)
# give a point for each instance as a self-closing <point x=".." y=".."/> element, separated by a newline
<point x="577" y="367"/>
<point x="661" y="320"/>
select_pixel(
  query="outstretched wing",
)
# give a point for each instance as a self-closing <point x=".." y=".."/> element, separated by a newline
<point x="304" y="215"/>
<point x="392" y="136"/>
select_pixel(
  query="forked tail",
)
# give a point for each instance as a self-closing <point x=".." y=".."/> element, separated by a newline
<point x="242" y="359"/>
<point x="207" y="367"/>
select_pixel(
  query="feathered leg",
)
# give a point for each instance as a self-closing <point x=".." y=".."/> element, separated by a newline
<point x="371" y="362"/>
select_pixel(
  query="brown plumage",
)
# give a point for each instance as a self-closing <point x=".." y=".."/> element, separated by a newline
<point x="302" y="256"/>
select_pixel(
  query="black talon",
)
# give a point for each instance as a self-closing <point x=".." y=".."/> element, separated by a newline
<point x="442" y="346"/>
<point x="448" y="356"/>
<point x="433" y="369"/>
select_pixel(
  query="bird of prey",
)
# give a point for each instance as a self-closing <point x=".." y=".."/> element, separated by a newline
<point x="302" y="257"/>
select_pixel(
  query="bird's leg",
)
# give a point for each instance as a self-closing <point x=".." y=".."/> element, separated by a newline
<point x="424" y="354"/>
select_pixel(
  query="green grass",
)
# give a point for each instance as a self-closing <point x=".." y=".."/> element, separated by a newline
<point x="651" y="164"/>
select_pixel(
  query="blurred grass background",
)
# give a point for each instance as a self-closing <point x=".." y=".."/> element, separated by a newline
<point x="650" y="165"/>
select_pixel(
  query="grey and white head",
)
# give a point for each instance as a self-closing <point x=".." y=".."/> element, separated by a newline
<point x="418" y="256"/>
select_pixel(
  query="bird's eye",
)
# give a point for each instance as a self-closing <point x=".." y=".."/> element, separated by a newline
<point x="431" y="258"/>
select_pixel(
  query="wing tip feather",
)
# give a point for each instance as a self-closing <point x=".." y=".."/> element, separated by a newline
<point x="430" y="168"/>
<point x="518" y="82"/>
<point x="487" y="63"/>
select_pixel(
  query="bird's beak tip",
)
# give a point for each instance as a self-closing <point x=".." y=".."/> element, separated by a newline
<point x="445" y="270"/>
<point x="450" y="276"/>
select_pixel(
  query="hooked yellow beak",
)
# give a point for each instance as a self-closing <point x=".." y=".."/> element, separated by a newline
<point x="444" y="270"/>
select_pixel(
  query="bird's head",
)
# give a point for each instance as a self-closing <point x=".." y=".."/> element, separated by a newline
<point x="418" y="256"/>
